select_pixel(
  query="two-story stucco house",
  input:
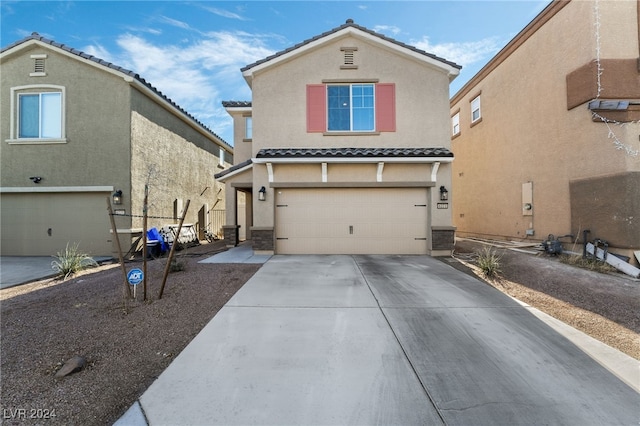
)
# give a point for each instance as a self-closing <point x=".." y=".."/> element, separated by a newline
<point x="546" y="134"/>
<point x="75" y="131"/>
<point x="343" y="149"/>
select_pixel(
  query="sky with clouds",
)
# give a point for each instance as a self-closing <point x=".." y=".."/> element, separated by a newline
<point x="192" y="51"/>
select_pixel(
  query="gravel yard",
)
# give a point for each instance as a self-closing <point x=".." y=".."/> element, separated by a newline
<point x="45" y="323"/>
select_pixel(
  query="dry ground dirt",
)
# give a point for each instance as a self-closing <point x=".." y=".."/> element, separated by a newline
<point x="45" y="323"/>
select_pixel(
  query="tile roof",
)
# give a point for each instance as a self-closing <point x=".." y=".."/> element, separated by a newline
<point x="38" y="37"/>
<point x="233" y="168"/>
<point x="352" y="152"/>
<point x="347" y="24"/>
<point x="236" y="104"/>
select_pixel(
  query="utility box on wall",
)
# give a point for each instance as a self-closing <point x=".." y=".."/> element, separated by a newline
<point x="527" y="199"/>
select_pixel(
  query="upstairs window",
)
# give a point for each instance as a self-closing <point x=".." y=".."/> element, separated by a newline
<point x="351" y="108"/>
<point x="40" y="115"/>
<point x="455" y="124"/>
<point x="476" y="113"/>
<point x="248" y="128"/>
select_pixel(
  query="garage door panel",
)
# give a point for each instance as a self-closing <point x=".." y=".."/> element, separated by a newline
<point x="351" y="221"/>
<point x="42" y="224"/>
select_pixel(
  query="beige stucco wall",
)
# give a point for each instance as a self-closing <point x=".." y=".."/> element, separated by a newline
<point x="528" y="135"/>
<point x="174" y="169"/>
<point x="279" y="98"/>
<point x="241" y="145"/>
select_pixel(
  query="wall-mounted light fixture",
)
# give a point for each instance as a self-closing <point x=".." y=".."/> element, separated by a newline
<point x="262" y="194"/>
<point x="117" y="197"/>
<point x="36" y="179"/>
<point x="444" y="194"/>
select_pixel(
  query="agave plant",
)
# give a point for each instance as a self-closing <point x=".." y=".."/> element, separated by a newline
<point x="71" y="260"/>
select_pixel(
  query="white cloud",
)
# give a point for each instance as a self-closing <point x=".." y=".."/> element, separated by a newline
<point x="173" y="22"/>
<point x="387" y="29"/>
<point x="465" y="53"/>
<point x="197" y="75"/>
<point x="99" y="51"/>
<point x="224" y="13"/>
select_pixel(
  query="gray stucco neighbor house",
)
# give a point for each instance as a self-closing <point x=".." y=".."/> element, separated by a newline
<point x="77" y="129"/>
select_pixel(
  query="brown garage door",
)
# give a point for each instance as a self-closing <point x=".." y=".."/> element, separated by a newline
<point x="351" y="221"/>
<point x="41" y="224"/>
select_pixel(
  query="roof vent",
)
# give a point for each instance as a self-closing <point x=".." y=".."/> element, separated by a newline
<point x="349" y="21"/>
<point x="349" y="58"/>
<point x="38" y="65"/>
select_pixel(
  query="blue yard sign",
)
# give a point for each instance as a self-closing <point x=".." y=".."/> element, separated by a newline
<point x="135" y="276"/>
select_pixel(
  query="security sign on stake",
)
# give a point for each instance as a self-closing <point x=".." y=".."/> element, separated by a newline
<point x="135" y="276"/>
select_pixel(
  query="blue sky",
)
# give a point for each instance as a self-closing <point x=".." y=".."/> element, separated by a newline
<point x="192" y="51"/>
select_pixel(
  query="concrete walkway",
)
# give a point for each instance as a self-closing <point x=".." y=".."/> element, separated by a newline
<point x="240" y="254"/>
<point x="381" y="340"/>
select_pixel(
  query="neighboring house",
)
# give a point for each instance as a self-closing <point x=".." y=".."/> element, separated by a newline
<point x="546" y="134"/>
<point x="76" y="130"/>
<point x="344" y="148"/>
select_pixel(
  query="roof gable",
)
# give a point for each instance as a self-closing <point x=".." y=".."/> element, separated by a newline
<point x="128" y="75"/>
<point x="351" y="28"/>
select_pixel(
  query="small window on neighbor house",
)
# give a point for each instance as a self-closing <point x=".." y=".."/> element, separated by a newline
<point x="221" y="157"/>
<point x="455" y="124"/>
<point x="40" y="115"/>
<point x="248" y="127"/>
<point x="476" y="114"/>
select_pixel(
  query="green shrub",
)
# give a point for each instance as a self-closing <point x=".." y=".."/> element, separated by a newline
<point x="489" y="262"/>
<point x="71" y="261"/>
<point x="176" y="266"/>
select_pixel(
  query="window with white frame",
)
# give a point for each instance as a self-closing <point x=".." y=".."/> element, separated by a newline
<point x="248" y="127"/>
<point x="37" y="113"/>
<point x="476" y="113"/>
<point x="221" y="157"/>
<point x="455" y="124"/>
<point x="350" y="108"/>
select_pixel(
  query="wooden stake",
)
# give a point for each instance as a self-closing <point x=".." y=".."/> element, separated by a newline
<point x="173" y="248"/>
<point x="144" y="243"/>
<point x="126" y="290"/>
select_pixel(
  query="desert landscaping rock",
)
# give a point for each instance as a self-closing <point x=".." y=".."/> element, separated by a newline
<point x="43" y="324"/>
<point x="73" y="365"/>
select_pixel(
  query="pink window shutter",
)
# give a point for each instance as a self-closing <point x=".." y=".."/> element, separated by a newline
<point x="386" y="107"/>
<point x="316" y="108"/>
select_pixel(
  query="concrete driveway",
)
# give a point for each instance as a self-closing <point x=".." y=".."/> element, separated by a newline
<point x="17" y="270"/>
<point x="408" y="340"/>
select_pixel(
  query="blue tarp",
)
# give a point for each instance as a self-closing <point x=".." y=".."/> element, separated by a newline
<point x="153" y="234"/>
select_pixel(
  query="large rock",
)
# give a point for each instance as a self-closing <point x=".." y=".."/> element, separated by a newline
<point x="73" y="365"/>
